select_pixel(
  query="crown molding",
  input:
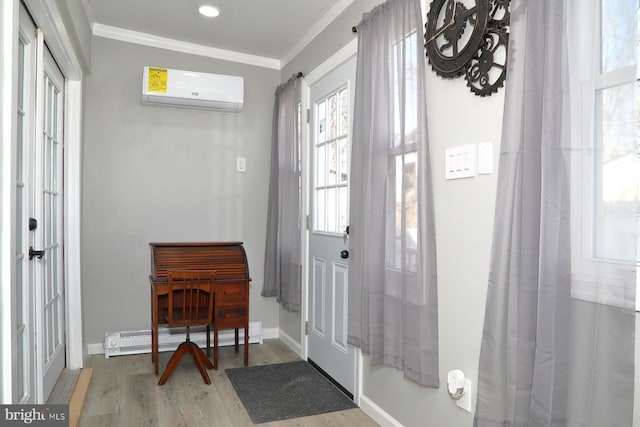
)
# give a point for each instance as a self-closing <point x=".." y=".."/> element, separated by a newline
<point x="316" y="29"/>
<point x="129" y="36"/>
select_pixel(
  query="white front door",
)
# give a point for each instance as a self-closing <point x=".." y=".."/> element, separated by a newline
<point x="40" y="316"/>
<point x="332" y="107"/>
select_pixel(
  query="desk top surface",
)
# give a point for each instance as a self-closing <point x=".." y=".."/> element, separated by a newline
<point x="194" y="244"/>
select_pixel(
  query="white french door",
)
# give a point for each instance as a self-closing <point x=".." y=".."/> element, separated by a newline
<point x="25" y="378"/>
<point x="40" y="319"/>
<point x="332" y="106"/>
<point x="48" y="208"/>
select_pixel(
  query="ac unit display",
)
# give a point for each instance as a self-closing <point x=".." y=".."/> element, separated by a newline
<point x="191" y="89"/>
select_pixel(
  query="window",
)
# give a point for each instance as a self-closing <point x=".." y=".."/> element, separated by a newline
<point x="402" y="175"/>
<point x="402" y="201"/>
<point x="615" y="129"/>
<point x="609" y="177"/>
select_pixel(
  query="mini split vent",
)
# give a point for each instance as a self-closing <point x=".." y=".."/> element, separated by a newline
<point x="190" y="89"/>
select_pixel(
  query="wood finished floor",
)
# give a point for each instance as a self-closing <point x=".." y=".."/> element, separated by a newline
<point x="124" y="393"/>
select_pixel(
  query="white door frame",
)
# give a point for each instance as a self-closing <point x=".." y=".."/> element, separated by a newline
<point x="337" y="59"/>
<point x="50" y="19"/>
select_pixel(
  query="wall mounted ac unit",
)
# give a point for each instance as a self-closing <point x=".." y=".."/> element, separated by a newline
<point x="190" y="89"/>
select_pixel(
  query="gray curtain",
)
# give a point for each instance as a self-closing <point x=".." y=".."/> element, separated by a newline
<point x="283" y="254"/>
<point x="558" y="340"/>
<point x="393" y="309"/>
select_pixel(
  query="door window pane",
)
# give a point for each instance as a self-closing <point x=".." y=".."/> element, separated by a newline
<point x="331" y="162"/>
<point x="343" y="173"/>
<point x="333" y="116"/>
<point x="322" y="119"/>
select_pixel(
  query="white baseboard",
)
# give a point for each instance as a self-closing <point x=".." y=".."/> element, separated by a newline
<point x="270" y="334"/>
<point x="378" y="414"/>
<point x="290" y="342"/>
<point x="95" y="348"/>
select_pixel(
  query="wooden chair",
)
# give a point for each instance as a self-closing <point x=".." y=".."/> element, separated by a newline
<point x="191" y="297"/>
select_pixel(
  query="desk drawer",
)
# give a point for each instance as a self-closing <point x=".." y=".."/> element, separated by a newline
<point x="231" y="317"/>
<point x="227" y="293"/>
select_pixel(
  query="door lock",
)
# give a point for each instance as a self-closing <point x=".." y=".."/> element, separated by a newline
<point x="344" y="254"/>
<point x="345" y="235"/>
<point x="33" y="253"/>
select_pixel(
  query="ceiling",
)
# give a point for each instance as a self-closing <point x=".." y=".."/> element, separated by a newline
<point x="266" y="28"/>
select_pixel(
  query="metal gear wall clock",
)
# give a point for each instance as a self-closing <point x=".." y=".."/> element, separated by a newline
<point x="470" y="38"/>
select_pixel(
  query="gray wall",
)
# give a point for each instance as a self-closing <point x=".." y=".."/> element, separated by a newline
<point x="153" y="174"/>
<point x="464" y="212"/>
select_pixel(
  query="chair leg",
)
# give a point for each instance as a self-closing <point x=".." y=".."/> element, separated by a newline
<point x="202" y="357"/>
<point x="198" y="358"/>
<point x="237" y="347"/>
<point x="173" y="362"/>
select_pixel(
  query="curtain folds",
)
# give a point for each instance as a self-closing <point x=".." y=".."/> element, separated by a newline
<point x="283" y="254"/>
<point x="393" y="312"/>
<point x="558" y="339"/>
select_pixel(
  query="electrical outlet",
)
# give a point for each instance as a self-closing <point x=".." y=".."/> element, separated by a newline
<point x="465" y="401"/>
<point x="241" y="164"/>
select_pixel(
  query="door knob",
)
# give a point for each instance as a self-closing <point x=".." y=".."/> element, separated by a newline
<point x="344" y="254"/>
<point x="34" y="253"/>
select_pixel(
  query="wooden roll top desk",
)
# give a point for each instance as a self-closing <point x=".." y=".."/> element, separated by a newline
<point x="231" y="306"/>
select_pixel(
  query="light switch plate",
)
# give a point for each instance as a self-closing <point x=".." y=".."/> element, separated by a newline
<point x="460" y="162"/>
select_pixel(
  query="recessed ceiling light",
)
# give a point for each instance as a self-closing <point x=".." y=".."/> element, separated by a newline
<point x="209" y="11"/>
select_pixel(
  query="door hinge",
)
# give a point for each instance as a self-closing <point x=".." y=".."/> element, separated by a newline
<point x="307" y="222"/>
<point x="306" y="327"/>
<point x="308" y="115"/>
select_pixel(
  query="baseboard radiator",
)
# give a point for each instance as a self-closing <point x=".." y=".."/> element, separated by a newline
<point x="138" y="342"/>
